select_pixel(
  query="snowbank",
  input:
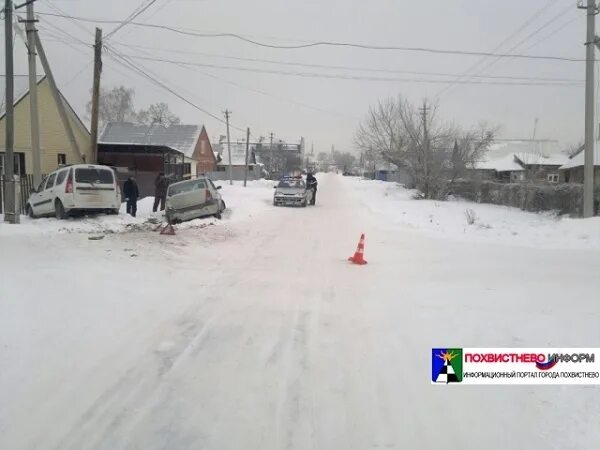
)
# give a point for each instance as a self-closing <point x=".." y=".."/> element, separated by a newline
<point x="499" y="224"/>
<point x="242" y="204"/>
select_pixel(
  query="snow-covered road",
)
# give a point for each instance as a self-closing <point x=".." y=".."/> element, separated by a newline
<point x="258" y="334"/>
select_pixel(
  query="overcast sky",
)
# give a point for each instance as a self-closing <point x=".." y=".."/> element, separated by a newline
<point x="327" y="111"/>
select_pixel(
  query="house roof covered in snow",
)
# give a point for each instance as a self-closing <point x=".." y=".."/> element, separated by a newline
<point x="578" y="158"/>
<point x="503" y="164"/>
<point x="537" y="159"/>
<point x="182" y="138"/>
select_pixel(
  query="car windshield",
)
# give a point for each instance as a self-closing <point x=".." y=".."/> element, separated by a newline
<point x="297" y="184"/>
<point x="94" y="175"/>
<point x="188" y="186"/>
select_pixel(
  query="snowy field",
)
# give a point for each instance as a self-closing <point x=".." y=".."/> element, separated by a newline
<point x="255" y="332"/>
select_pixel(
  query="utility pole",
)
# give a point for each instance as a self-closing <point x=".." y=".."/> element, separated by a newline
<point x="247" y="149"/>
<point x="60" y="106"/>
<point x="10" y="215"/>
<point x="33" y="97"/>
<point x="424" y="111"/>
<point x="227" y="114"/>
<point x="96" y="95"/>
<point x="271" y="162"/>
<point x="588" y="167"/>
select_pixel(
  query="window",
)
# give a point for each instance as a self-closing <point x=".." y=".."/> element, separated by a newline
<point x="220" y="168"/>
<point x="188" y="186"/>
<point x="61" y="177"/>
<point x="94" y="175"/>
<point x="62" y="159"/>
<point x="553" y="178"/>
<point x="50" y="182"/>
<point x="40" y="188"/>
<point x="250" y="168"/>
<point x="187" y="168"/>
<point x="19" y="167"/>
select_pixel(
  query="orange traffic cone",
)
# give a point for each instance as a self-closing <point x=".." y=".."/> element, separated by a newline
<point x="168" y="229"/>
<point x="358" y="257"/>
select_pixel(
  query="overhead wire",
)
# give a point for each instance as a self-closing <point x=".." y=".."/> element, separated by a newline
<point x="350" y="77"/>
<point x="140" y="70"/>
<point x="475" y="70"/>
<point x="328" y="43"/>
<point x="131" y="17"/>
<point x="340" y="67"/>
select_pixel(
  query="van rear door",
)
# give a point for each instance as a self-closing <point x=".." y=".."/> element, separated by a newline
<point x="94" y="187"/>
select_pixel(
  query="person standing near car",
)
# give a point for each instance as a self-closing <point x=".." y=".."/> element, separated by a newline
<point x="311" y="183"/>
<point x="131" y="193"/>
<point x="160" y="194"/>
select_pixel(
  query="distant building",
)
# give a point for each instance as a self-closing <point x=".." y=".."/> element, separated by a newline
<point x="572" y="170"/>
<point x="238" y="161"/>
<point x="180" y="151"/>
<point x="514" y="168"/>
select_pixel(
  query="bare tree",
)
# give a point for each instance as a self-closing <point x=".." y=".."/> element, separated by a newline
<point x="434" y="152"/>
<point x="158" y="114"/>
<point x="116" y="105"/>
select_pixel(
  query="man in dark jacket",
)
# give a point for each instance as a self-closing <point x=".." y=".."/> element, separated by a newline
<point x="131" y="193"/>
<point x="160" y="194"/>
<point x="311" y="183"/>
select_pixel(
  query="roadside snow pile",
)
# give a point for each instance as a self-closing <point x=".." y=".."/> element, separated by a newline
<point x="460" y="219"/>
<point x="242" y="203"/>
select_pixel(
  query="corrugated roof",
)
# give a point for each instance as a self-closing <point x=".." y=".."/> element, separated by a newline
<point x="182" y="138"/>
<point x="578" y="159"/>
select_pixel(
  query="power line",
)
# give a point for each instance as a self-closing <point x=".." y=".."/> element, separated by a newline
<point x="529" y="36"/>
<point x="324" y="43"/>
<point x="140" y="70"/>
<point x="479" y="62"/>
<point x="328" y="66"/>
<point x="348" y="77"/>
<point x="131" y="17"/>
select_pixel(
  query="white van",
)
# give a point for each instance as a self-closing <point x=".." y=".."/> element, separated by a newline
<point x="73" y="189"/>
<point x="191" y="199"/>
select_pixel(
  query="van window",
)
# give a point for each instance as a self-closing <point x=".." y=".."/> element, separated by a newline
<point x="50" y="182"/>
<point x="61" y="177"/>
<point x="194" y="185"/>
<point x="94" y="175"/>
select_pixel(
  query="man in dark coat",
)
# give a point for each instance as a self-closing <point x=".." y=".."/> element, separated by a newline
<point x="311" y="183"/>
<point x="131" y="193"/>
<point x="160" y="194"/>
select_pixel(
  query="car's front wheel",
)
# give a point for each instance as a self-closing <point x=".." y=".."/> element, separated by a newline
<point x="59" y="210"/>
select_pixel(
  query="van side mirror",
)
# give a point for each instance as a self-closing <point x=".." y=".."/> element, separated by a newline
<point x="274" y="187"/>
<point x="218" y="187"/>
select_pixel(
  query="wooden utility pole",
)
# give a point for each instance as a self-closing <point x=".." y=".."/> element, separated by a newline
<point x="96" y="95"/>
<point x="33" y="97"/>
<point x="590" y="75"/>
<point x="247" y="150"/>
<point x="227" y="114"/>
<point x="10" y="212"/>
<point x="271" y="162"/>
<point x="62" y="112"/>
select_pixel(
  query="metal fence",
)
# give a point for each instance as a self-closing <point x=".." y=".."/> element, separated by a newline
<point x="26" y="187"/>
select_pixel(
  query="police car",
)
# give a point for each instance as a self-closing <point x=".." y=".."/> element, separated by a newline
<point x="292" y="191"/>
